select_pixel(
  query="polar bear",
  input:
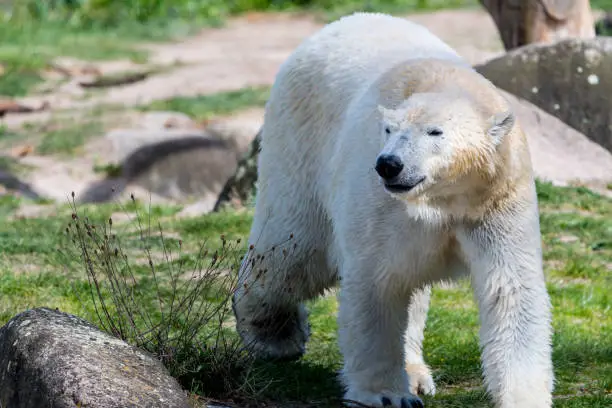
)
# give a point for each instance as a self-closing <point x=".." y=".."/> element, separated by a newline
<point x="388" y="164"/>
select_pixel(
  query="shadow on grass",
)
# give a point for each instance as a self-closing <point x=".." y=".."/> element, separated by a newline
<point x="287" y="384"/>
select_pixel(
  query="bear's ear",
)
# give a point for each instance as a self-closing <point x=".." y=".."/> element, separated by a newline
<point x="500" y="125"/>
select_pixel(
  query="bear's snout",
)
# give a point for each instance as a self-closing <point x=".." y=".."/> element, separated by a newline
<point x="389" y="166"/>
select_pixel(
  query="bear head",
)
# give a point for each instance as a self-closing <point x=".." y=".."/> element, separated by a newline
<point x="441" y="144"/>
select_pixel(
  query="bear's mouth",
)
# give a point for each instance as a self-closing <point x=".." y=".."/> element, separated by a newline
<point x="403" y="187"/>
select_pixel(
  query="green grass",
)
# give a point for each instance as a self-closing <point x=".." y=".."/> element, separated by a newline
<point x="30" y="42"/>
<point x="206" y="106"/>
<point x="62" y="135"/>
<point x="28" y="48"/>
<point x="36" y="262"/>
<point x="67" y="140"/>
<point x="117" y="13"/>
<point x="601" y="4"/>
<point x="9" y="164"/>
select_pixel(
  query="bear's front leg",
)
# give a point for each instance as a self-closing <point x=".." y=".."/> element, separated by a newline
<point x="371" y="328"/>
<point x="419" y="373"/>
<point x="515" y="312"/>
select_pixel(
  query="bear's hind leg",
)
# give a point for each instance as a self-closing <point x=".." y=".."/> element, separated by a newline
<point x="273" y="331"/>
<point x="274" y="283"/>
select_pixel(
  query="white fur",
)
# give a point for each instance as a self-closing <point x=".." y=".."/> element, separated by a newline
<point x="318" y="190"/>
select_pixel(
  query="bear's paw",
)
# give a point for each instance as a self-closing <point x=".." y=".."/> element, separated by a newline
<point x="421" y="381"/>
<point x="358" y="398"/>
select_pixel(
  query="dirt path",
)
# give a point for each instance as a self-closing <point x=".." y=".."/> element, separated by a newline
<point x="246" y="52"/>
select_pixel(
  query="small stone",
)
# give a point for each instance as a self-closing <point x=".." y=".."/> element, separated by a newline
<point x="22" y="150"/>
<point x="593" y="79"/>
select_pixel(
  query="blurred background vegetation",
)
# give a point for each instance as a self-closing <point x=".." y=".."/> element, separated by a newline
<point x="33" y="32"/>
<point x="147" y="17"/>
<point x="87" y="14"/>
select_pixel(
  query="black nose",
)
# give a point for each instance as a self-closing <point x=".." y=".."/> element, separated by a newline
<point x="388" y="166"/>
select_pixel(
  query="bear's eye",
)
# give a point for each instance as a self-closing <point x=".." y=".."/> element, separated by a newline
<point x="387" y="130"/>
<point x="434" y="132"/>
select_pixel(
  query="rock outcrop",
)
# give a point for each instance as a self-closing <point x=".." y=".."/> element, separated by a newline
<point x="570" y="79"/>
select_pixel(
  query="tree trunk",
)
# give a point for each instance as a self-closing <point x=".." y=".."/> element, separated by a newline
<point x="522" y="22"/>
<point x="241" y="186"/>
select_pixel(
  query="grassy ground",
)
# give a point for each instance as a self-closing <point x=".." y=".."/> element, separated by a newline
<point x="27" y="49"/>
<point x="37" y="257"/>
<point x="205" y="107"/>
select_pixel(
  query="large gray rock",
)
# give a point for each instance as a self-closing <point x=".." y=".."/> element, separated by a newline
<point x="571" y="79"/>
<point x="560" y="153"/>
<point x="238" y="189"/>
<point x="126" y="142"/>
<point x="53" y="359"/>
<point x="175" y="164"/>
<point x="182" y="168"/>
<point x="10" y="182"/>
<point x="171" y="157"/>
